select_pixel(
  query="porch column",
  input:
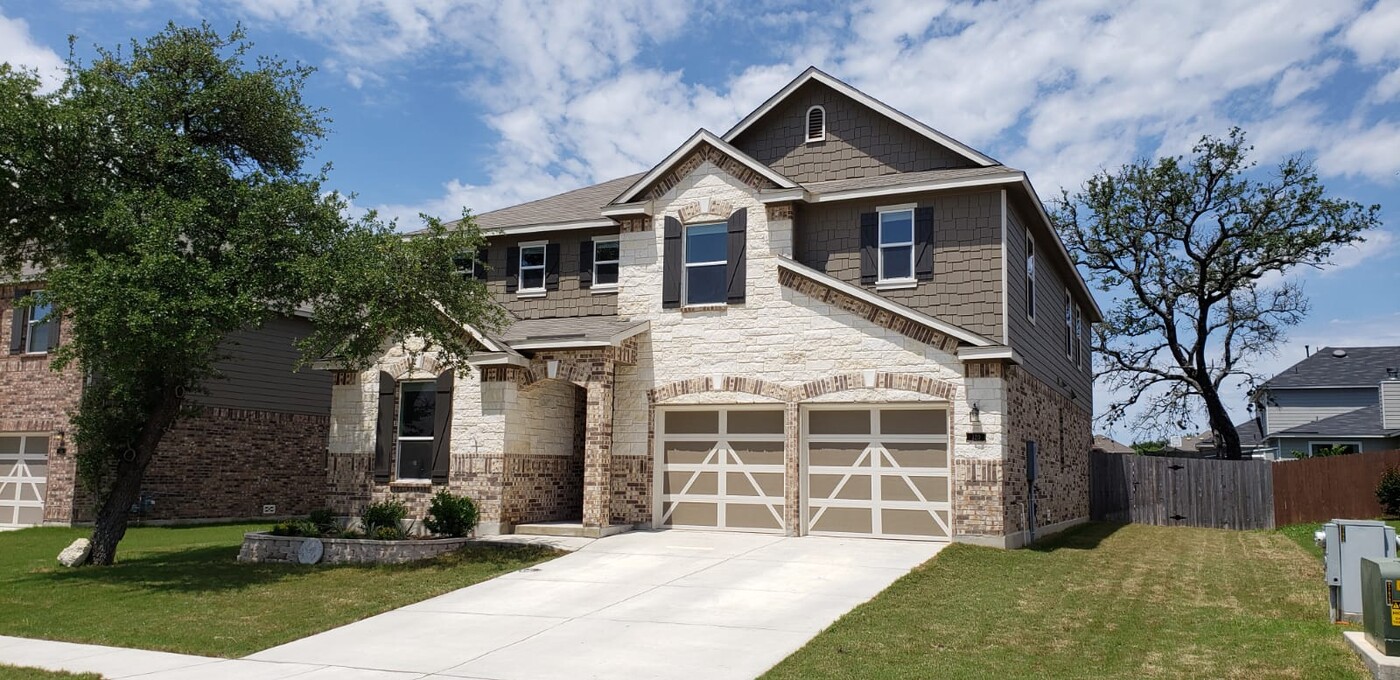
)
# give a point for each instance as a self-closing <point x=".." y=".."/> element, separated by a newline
<point x="597" y="454"/>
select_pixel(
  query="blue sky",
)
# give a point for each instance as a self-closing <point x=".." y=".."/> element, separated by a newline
<point x="440" y="104"/>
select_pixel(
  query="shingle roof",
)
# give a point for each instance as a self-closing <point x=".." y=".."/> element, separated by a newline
<point x="1249" y="432"/>
<point x="1108" y="445"/>
<point x="901" y="178"/>
<point x="1362" y="422"/>
<point x="600" y="329"/>
<point x="1359" y="367"/>
<point x="584" y="203"/>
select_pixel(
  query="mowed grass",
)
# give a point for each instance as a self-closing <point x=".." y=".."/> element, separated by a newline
<point x="1100" y="601"/>
<point x="179" y="589"/>
<point x="26" y="673"/>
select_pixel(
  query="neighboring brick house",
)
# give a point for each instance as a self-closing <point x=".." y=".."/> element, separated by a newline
<point x="259" y="443"/>
<point x="831" y="320"/>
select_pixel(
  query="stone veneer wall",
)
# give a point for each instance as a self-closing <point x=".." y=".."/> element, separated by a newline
<point x="258" y="547"/>
<point x="36" y="400"/>
<point x="544" y="463"/>
<point x="225" y="463"/>
<point x="1063" y="432"/>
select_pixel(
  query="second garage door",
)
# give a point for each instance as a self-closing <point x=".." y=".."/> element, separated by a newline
<point x="720" y="468"/>
<point x="877" y="471"/>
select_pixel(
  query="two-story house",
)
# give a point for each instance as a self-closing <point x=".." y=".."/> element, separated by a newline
<point x="1339" y="397"/>
<point x="831" y="319"/>
<point x="256" y="449"/>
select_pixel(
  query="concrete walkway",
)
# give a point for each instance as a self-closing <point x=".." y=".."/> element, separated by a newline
<point x="670" y="604"/>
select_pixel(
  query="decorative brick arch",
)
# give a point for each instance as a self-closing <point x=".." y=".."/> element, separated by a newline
<point x="403" y="368"/>
<point x="568" y="371"/>
<point x="908" y="382"/>
<point x="754" y="386"/>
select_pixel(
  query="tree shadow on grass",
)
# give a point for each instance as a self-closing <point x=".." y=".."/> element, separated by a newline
<point x="214" y="569"/>
<point x="1086" y="536"/>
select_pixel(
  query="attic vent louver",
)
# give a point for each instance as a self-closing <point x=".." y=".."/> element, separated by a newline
<point x="1339" y="353"/>
<point x="816" y="124"/>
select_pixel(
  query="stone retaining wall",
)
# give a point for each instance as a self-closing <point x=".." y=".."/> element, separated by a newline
<point x="261" y="547"/>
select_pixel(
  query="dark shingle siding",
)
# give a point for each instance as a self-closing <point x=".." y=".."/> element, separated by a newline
<point x="859" y="141"/>
<point x="966" y="286"/>
<point x="569" y="300"/>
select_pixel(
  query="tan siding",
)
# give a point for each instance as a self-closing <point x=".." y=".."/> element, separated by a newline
<point x="859" y="141"/>
<point x="1042" y="344"/>
<point x="569" y="300"/>
<point x="966" y="286"/>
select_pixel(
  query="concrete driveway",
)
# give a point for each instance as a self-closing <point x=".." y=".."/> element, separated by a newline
<point x="667" y="604"/>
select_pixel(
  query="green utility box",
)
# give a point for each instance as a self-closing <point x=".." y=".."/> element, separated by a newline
<point x="1380" y="604"/>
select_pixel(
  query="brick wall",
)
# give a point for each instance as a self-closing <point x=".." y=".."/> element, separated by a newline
<point x="229" y="463"/>
<point x="1063" y="432"/>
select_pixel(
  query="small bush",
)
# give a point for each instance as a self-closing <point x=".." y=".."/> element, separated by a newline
<point x="382" y="533"/>
<point x="450" y="515"/>
<point x="325" y="520"/>
<point x="384" y="514"/>
<point x="1388" y="491"/>
<point x="295" y="527"/>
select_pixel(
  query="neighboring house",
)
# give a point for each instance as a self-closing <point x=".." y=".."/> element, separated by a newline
<point x="832" y="319"/>
<point x="1105" y="444"/>
<point x="1346" y="397"/>
<point x="257" y="448"/>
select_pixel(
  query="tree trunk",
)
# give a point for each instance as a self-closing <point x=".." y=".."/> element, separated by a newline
<point x="111" y="522"/>
<point x="1227" y="439"/>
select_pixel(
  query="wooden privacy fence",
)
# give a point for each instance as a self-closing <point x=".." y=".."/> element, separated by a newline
<point x="1234" y="494"/>
<point x="1321" y="489"/>
<point x="1221" y="494"/>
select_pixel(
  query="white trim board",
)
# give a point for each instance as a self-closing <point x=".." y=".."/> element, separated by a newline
<point x="813" y="73"/>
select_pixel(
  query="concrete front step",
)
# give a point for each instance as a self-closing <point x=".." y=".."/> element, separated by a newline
<point x="573" y="529"/>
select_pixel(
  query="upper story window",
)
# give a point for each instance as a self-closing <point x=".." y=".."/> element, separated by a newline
<point x="1030" y="278"/>
<point x="706" y="261"/>
<point x="1080" y="345"/>
<point x="417" y="411"/>
<point x="34" y="329"/>
<point x="1069" y="326"/>
<point x="897" y="245"/>
<point x="471" y="265"/>
<point x="532" y="257"/>
<point x="816" y="124"/>
<point x="605" y="259"/>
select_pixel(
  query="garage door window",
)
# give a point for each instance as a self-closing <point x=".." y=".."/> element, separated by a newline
<point x="878" y="471"/>
<point x="721" y="468"/>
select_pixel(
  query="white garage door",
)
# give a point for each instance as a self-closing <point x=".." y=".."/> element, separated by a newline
<point x="720" y="468"/>
<point x="879" y="471"/>
<point x="23" y="478"/>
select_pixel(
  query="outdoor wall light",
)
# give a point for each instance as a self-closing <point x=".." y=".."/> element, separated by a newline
<point x="61" y="438"/>
<point x="976" y="414"/>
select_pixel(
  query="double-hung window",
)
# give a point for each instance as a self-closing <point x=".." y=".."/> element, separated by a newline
<point x="605" y="258"/>
<point x="417" y="407"/>
<point x="1069" y="326"/>
<point x="532" y="256"/>
<point x="1030" y="278"/>
<point x="37" y="327"/>
<point x="1079" y="344"/>
<point x="706" y="260"/>
<point x="897" y="245"/>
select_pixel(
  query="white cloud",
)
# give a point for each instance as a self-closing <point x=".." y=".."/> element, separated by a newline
<point x="1378" y="244"/>
<point x="18" y="48"/>
<point x="1373" y="36"/>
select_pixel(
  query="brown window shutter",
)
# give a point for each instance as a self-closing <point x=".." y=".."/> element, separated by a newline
<point x="551" y="266"/>
<point x="672" y="268"/>
<point x="18" y="323"/>
<point x="738" y="238"/>
<point x="442" y="427"/>
<point x="512" y="269"/>
<point x="585" y="264"/>
<point x="483" y="256"/>
<point x="923" y="243"/>
<point x="869" y="247"/>
<point x="384" y="429"/>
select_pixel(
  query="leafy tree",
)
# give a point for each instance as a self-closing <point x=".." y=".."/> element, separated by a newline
<point x="1188" y="248"/>
<point x="1150" y="447"/>
<point x="1323" y="452"/>
<point x="1388" y="491"/>
<point x="161" y="191"/>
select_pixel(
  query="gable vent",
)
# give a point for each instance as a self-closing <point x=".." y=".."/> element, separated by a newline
<point x="816" y="124"/>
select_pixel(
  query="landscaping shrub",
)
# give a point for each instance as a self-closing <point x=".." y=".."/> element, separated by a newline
<point x="295" y="527"/>
<point x="325" y="520"/>
<point x="450" y="515"/>
<point x="383" y="533"/>
<point x="1388" y="491"/>
<point x="384" y="514"/>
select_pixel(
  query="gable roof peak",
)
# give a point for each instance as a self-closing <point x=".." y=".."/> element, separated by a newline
<point x="815" y="74"/>
<point x="702" y="136"/>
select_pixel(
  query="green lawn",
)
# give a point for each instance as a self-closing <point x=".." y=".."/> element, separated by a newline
<point x="179" y="589"/>
<point x="25" y="673"/>
<point x="1100" y="601"/>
